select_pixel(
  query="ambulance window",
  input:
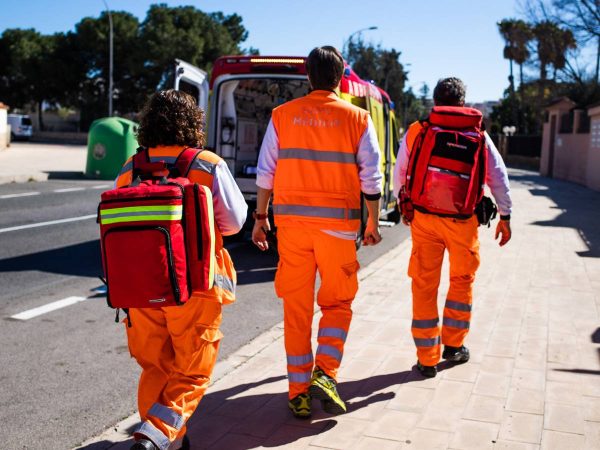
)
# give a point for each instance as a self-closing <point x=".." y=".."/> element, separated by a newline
<point x="191" y="89"/>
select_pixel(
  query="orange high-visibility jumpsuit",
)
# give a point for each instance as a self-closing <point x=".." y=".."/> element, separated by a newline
<point x="316" y="187"/>
<point x="177" y="346"/>
<point x="431" y="236"/>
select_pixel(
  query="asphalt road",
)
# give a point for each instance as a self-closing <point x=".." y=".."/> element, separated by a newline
<point x="66" y="374"/>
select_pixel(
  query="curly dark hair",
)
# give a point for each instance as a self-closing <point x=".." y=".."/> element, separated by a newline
<point x="171" y="118"/>
<point x="449" y="92"/>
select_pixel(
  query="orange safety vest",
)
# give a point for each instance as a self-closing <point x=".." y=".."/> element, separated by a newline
<point x="316" y="182"/>
<point x="411" y="134"/>
<point x="202" y="172"/>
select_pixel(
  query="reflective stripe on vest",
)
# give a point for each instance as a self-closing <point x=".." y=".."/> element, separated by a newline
<point x="140" y="213"/>
<point x="317" y="155"/>
<point x="316" y="211"/>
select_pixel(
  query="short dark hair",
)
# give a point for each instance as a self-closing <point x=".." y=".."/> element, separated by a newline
<point x="449" y="92"/>
<point x="325" y="66"/>
<point x="171" y="118"/>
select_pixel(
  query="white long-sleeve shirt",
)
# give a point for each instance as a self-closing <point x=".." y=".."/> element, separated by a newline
<point x="230" y="207"/>
<point x="496" y="178"/>
<point x="367" y="158"/>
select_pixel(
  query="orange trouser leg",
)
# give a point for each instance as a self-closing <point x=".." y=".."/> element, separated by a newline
<point x="338" y="267"/>
<point x="425" y="269"/>
<point x="177" y="349"/>
<point x="463" y="249"/>
<point x="295" y="284"/>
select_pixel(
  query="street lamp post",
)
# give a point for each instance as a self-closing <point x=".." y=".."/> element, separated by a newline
<point x="110" y="61"/>
<point x="347" y="41"/>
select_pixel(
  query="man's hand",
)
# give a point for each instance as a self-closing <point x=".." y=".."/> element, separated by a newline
<point x="405" y="220"/>
<point x="259" y="234"/>
<point x="503" y="230"/>
<point x="372" y="236"/>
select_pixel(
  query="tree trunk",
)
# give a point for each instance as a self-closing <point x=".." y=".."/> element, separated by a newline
<point x="520" y="75"/>
<point x="598" y="61"/>
<point x="40" y="116"/>
<point x="511" y="78"/>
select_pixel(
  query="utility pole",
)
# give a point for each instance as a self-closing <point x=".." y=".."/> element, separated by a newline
<point x="110" y="61"/>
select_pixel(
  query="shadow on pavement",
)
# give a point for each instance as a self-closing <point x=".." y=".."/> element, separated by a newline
<point x="226" y="420"/>
<point x="579" y="206"/>
<point x="79" y="259"/>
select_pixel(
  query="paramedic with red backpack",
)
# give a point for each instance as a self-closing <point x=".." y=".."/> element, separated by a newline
<point x="177" y="346"/>
<point x="440" y="171"/>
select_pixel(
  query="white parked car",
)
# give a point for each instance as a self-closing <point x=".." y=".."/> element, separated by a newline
<point x="20" y="126"/>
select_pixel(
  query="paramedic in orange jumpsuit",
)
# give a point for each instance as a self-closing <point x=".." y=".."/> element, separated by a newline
<point x="432" y="235"/>
<point x="319" y="152"/>
<point x="177" y="346"/>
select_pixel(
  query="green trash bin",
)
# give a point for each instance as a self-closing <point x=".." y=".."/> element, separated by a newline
<point x="111" y="141"/>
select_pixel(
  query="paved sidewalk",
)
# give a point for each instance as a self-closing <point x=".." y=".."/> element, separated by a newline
<point x="25" y="161"/>
<point x="534" y="376"/>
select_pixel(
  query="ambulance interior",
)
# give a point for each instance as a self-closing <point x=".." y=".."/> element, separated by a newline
<point x="244" y="109"/>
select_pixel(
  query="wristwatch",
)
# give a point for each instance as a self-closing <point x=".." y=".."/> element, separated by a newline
<point x="258" y="216"/>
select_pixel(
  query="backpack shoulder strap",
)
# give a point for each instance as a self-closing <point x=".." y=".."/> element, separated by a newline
<point x="184" y="161"/>
<point x="139" y="162"/>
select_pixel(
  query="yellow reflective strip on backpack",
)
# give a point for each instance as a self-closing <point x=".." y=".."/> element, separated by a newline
<point x="143" y="218"/>
<point x="127" y="209"/>
<point x="213" y="261"/>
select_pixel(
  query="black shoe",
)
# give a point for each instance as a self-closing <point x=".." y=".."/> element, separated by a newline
<point x="185" y="443"/>
<point x="143" y="444"/>
<point x="427" y="371"/>
<point x="300" y="406"/>
<point x="456" y="354"/>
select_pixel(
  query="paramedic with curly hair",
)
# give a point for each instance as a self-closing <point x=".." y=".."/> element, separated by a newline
<point x="177" y="346"/>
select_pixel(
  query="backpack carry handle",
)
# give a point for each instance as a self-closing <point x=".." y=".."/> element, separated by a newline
<point x="144" y="168"/>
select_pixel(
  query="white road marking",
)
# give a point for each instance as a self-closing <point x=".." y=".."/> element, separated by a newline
<point x="43" y="224"/>
<point x="22" y="194"/>
<point x="31" y="313"/>
<point x="70" y="189"/>
<point x="102" y="186"/>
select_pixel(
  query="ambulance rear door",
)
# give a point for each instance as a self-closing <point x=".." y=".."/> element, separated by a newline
<point x="192" y="80"/>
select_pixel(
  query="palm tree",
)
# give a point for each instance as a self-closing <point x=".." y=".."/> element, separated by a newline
<point x="521" y="35"/>
<point x="553" y="43"/>
<point x="506" y="28"/>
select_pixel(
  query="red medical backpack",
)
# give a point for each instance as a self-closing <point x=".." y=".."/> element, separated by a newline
<point x="447" y="165"/>
<point x="157" y="235"/>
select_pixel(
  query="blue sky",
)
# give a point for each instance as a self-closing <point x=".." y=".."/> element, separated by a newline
<point x="437" y="38"/>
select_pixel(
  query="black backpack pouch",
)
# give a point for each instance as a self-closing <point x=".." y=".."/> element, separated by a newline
<point x="486" y="211"/>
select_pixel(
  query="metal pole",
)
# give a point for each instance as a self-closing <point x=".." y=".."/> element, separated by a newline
<point x="110" y="61"/>
<point x="347" y="41"/>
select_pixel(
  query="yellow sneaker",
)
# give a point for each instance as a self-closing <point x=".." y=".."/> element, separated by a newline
<point x="300" y="406"/>
<point x="323" y="387"/>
